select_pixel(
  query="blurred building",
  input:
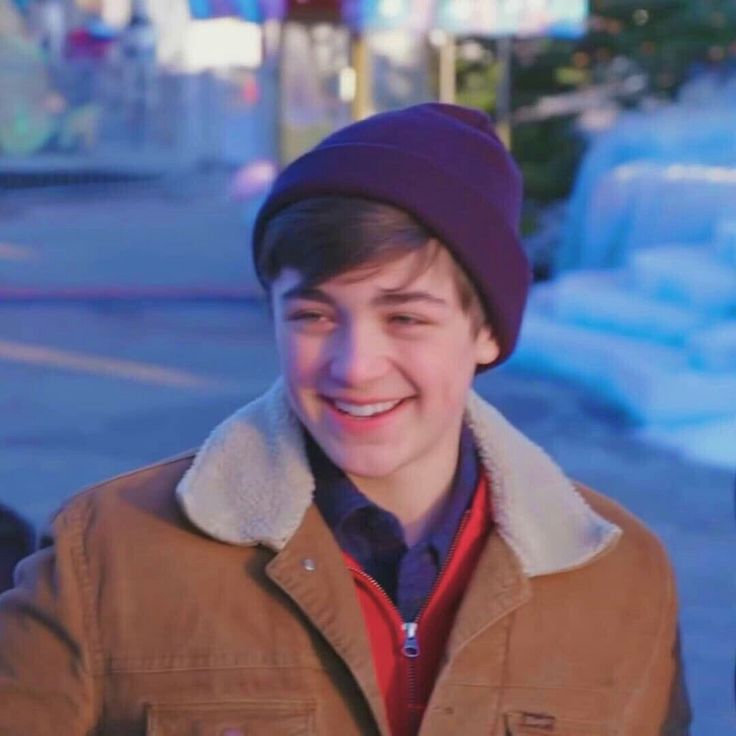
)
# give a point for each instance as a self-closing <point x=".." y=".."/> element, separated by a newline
<point x="156" y="82"/>
<point x="127" y="83"/>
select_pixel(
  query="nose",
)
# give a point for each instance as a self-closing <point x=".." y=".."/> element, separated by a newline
<point x="357" y="355"/>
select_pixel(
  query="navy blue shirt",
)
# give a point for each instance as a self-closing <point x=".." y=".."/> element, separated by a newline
<point x="374" y="537"/>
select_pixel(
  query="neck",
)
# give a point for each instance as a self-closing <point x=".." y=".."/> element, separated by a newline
<point x="415" y="494"/>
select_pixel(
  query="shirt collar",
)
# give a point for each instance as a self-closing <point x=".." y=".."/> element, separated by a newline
<point x="337" y="497"/>
<point x="463" y="487"/>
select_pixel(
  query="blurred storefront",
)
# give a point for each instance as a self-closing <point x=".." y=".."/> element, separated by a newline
<point x="343" y="60"/>
<point x="156" y="83"/>
<point x="114" y="84"/>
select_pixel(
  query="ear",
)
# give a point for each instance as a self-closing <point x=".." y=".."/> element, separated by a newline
<point x="486" y="347"/>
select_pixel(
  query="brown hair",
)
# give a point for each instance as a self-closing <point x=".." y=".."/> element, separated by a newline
<point x="322" y="237"/>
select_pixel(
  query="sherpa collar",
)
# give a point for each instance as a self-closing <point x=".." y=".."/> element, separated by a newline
<point x="251" y="483"/>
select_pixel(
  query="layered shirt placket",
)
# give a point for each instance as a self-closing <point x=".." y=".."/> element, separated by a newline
<point x="374" y="538"/>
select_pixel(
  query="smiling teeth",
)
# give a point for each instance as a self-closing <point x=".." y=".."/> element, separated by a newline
<point x="366" y="410"/>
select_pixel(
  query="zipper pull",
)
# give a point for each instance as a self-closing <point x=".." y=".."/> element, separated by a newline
<point x="411" y="643"/>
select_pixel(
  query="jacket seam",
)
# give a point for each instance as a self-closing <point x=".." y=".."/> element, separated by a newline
<point x="667" y="598"/>
<point x="86" y="587"/>
<point x="112" y="671"/>
<point x="76" y="521"/>
<point x="504" y="671"/>
<point x="561" y="688"/>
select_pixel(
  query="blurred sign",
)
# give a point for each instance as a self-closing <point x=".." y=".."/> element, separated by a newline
<point x="564" y="18"/>
<point x="249" y="10"/>
<point x="221" y="43"/>
<point x="378" y="15"/>
<point x="463" y="17"/>
<point x="314" y="11"/>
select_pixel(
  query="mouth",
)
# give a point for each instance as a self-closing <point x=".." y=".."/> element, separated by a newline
<point x="365" y="410"/>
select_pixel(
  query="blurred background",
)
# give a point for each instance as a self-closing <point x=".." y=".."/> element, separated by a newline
<point x="138" y="138"/>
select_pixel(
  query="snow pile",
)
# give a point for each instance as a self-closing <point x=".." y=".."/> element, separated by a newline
<point x="605" y="300"/>
<point x="714" y="349"/>
<point x="725" y="240"/>
<point x="643" y="309"/>
<point x="658" y="176"/>
<point x="693" y="276"/>
<point x="656" y="336"/>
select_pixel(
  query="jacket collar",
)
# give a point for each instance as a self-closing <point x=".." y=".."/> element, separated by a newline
<point x="251" y="483"/>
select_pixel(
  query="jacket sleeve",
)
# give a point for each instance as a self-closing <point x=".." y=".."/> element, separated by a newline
<point x="678" y="718"/>
<point x="660" y="705"/>
<point x="48" y="640"/>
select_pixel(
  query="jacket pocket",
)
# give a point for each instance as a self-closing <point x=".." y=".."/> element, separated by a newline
<point x="523" y="723"/>
<point x="241" y="718"/>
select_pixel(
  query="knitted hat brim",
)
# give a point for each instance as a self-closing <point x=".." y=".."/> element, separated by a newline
<point x="477" y="235"/>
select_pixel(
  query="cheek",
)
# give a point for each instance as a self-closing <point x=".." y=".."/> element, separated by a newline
<point x="298" y="357"/>
<point x="455" y="370"/>
<point x="443" y="371"/>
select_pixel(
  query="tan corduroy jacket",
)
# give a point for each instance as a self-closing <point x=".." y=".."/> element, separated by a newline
<point x="207" y="597"/>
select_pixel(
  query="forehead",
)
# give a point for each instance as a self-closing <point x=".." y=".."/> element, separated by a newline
<point x="431" y="271"/>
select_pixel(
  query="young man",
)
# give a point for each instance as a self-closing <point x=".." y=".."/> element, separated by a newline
<point x="368" y="548"/>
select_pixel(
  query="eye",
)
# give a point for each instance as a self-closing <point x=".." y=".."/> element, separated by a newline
<point x="310" y="320"/>
<point x="305" y="315"/>
<point x="407" y="320"/>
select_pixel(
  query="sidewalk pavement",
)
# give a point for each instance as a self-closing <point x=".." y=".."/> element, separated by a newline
<point x="159" y="239"/>
<point x="105" y="162"/>
<point x="99" y="384"/>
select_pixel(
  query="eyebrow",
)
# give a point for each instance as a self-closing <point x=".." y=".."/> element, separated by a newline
<point x="388" y="298"/>
<point x="397" y="298"/>
<point x="310" y="293"/>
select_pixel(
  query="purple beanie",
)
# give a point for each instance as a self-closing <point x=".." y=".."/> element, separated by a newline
<point x="443" y="164"/>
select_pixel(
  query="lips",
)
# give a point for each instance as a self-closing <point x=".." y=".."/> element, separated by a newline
<point x="364" y="410"/>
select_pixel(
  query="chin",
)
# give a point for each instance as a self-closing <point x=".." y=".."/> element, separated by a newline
<point x="365" y="464"/>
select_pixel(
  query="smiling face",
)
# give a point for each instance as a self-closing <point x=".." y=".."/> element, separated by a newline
<point x="378" y="363"/>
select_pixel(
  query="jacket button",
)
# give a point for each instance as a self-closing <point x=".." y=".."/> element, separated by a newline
<point x="309" y="565"/>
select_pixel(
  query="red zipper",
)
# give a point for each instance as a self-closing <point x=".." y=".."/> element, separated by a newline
<point x="410" y="629"/>
<point x="410" y="647"/>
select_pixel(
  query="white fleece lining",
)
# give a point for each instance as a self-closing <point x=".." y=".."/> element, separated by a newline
<point x="251" y="483"/>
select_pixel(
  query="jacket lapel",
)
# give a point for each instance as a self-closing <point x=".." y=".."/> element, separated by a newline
<point x="467" y="686"/>
<point x="497" y="588"/>
<point x="536" y="507"/>
<point x="311" y="571"/>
